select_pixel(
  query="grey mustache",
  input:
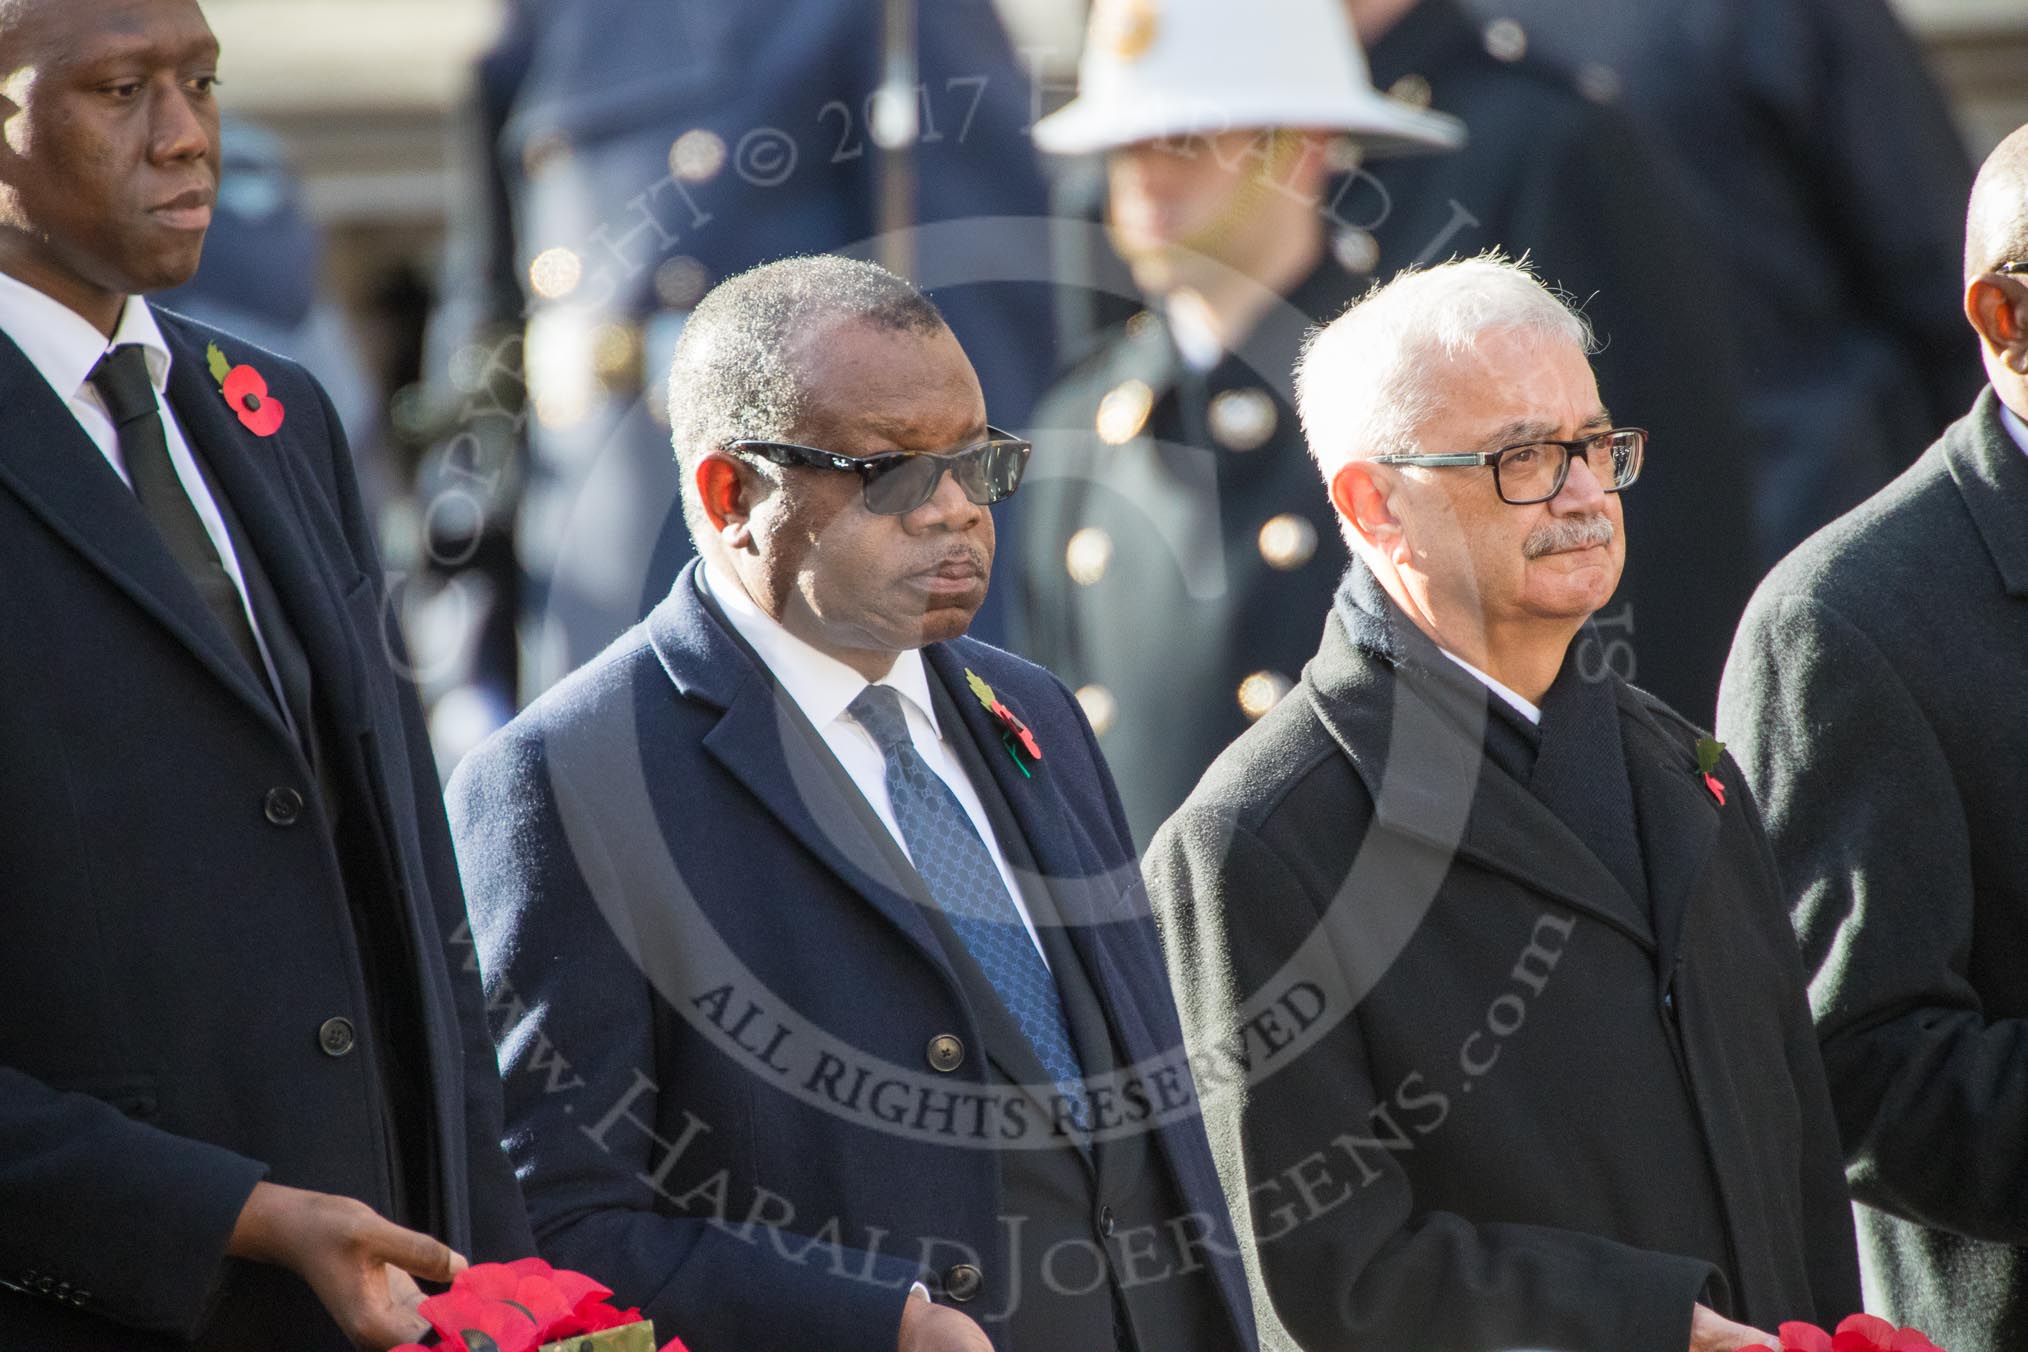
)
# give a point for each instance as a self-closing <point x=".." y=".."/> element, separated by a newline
<point x="1553" y="537"/>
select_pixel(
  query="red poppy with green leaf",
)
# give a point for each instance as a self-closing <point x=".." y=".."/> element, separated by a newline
<point x="246" y="393"/>
<point x="1709" y="753"/>
<point x="1014" y="734"/>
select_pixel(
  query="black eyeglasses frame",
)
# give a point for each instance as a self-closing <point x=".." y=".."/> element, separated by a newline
<point x="968" y="465"/>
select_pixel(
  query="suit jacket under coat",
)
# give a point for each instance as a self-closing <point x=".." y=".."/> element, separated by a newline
<point x="674" y="899"/>
<point x="172" y="949"/>
<point x="1513" y="1108"/>
<point x="1878" y="693"/>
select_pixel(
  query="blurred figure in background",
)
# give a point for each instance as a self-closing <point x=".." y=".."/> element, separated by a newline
<point x="259" y="280"/>
<point x="1545" y="171"/>
<point x="1820" y="154"/>
<point x="637" y="152"/>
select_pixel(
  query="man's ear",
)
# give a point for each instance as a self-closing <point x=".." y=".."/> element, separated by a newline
<point x="1361" y="497"/>
<point x="726" y="492"/>
<point x="2000" y="313"/>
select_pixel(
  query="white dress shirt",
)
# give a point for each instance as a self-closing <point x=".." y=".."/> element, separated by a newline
<point x="822" y="687"/>
<point x="2017" y="428"/>
<point x="65" y="347"/>
<point x="1506" y="694"/>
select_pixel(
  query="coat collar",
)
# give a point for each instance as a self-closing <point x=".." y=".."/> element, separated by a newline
<point x="1991" y="474"/>
<point x="1415" y="737"/>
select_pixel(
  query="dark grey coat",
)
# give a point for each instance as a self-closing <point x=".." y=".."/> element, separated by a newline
<point x="1494" y="1103"/>
<point x="1878" y="700"/>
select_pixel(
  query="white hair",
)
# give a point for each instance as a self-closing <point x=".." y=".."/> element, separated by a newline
<point x="1369" y="380"/>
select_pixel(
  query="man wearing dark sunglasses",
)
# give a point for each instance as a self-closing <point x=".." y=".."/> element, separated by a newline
<point x="1575" y="1015"/>
<point x="803" y="886"/>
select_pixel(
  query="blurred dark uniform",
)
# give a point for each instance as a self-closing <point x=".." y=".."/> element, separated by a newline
<point x="640" y="151"/>
<point x="1210" y="550"/>
<point x="1822" y="158"/>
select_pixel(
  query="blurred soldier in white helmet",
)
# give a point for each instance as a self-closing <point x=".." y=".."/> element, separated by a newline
<point x="1179" y="568"/>
<point x="1177" y="557"/>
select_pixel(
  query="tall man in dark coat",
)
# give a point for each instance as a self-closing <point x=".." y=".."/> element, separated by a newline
<point x="1877" y="692"/>
<point x="836" y="1018"/>
<point x="245" y="1081"/>
<point x="1492" y="936"/>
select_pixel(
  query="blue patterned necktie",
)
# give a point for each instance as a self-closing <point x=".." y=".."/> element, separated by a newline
<point x="959" y="871"/>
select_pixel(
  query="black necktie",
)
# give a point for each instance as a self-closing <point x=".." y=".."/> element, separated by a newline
<point x="121" y="378"/>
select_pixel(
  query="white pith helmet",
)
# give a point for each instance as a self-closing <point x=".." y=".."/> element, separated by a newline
<point x="1162" y="68"/>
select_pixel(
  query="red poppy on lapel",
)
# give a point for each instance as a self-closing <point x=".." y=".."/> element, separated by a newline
<point x="1708" y="753"/>
<point x="246" y="392"/>
<point x="1014" y="734"/>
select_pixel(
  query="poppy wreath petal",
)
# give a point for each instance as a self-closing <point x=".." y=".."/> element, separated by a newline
<point x="1798" y="1336"/>
<point x="457" y="1313"/>
<point x="674" y="1345"/>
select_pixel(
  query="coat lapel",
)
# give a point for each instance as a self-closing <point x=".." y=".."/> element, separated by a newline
<point x="49" y="462"/>
<point x="1430" y="781"/>
<point x="764" y="742"/>
<point x="253" y="473"/>
<point x="1677" y="817"/>
<point x="1991" y="474"/>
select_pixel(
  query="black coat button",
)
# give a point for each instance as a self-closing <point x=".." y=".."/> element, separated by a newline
<point x="963" y="1282"/>
<point x="283" y="806"/>
<point x="945" y="1053"/>
<point x="336" y="1037"/>
<point x="1669" y="1003"/>
<point x="45" y="1284"/>
<point x="78" y="1298"/>
<point x="1106" y="1222"/>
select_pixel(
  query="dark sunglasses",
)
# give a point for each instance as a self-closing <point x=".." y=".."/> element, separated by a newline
<point x="897" y="482"/>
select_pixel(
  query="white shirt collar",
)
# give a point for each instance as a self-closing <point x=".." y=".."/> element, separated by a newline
<point x="1506" y="693"/>
<point x="819" y="683"/>
<point x="2016" y="427"/>
<point x="64" y="346"/>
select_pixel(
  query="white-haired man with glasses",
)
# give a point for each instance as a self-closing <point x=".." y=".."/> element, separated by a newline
<point x="1495" y="933"/>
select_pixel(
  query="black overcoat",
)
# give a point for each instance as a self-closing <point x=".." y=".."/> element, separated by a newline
<point x="187" y="1003"/>
<point x="1876" y="696"/>
<point x="1489" y="1101"/>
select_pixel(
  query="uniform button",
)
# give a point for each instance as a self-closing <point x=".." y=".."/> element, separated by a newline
<point x="45" y="1284"/>
<point x="945" y="1053"/>
<point x="1356" y="250"/>
<point x="1669" y="1003"/>
<point x="1261" y="691"/>
<point x="1124" y="412"/>
<point x="697" y="155"/>
<point x="282" y="807"/>
<point x="963" y="1282"/>
<point x="1087" y="556"/>
<point x="335" y="1037"/>
<point x="1107" y="1223"/>
<point x="1506" y="40"/>
<point x="1242" y="420"/>
<point x="1288" y="541"/>
<point x="1100" y="707"/>
<point x="63" y="1291"/>
<point x="79" y="1298"/>
<point x="1411" y="89"/>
